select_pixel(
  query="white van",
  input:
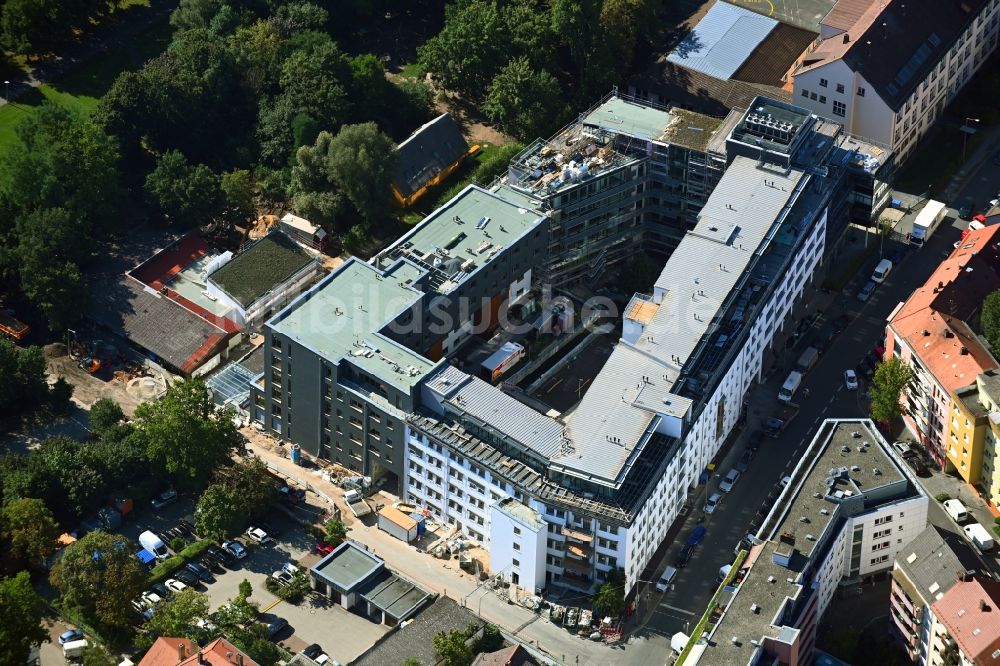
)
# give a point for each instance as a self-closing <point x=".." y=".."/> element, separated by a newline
<point x="154" y="544"/>
<point x="979" y="536"/>
<point x="666" y="579"/>
<point x="74" y="649"/>
<point x="882" y="271"/>
<point x="956" y="510"/>
<point x="790" y="386"/>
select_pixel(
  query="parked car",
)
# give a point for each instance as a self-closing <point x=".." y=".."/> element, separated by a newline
<point x="258" y="535"/>
<point x="682" y="558"/>
<point x="755" y="439"/>
<point x="867" y="291"/>
<point x="713" y="502"/>
<point x="211" y="563"/>
<point x="966" y="207"/>
<point x="282" y="577"/>
<point x="200" y="571"/>
<point x="159" y="589"/>
<point x="70" y="635"/>
<point x="269" y="528"/>
<point x="324" y="548"/>
<point x="275" y="624"/>
<point x="175" y="585"/>
<point x="313" y="651"/>
<point x="186" y="527"/>
<point x="165" y="498"/>
<point x="732" y="476"/>
<point x="292" y="495"/>
<point x="785" y="480"/>
<point x="850" y="379"/>
<point x="666" y="579"/>
<point x="235" y="548"/>
<point x="224" y="557"/>
<point x="841" y="323"/>
<point x="744" y="462"/>
<point x="697" y="534"/>
<point x="290" y="568"/>
<point x="186" y="577"/>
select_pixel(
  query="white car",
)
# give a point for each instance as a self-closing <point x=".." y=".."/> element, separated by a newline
<point x="290" y="568"/>
<point x="850" y="380"/>
<point x="258" y="535"/>
<point x="282" y="577"/>
<point x="175" y="585"/>
<point x="732" y="476"/>
<point x="712" y="502"/>
<point x="151" y="599"/>
<point x="235" y="548"/>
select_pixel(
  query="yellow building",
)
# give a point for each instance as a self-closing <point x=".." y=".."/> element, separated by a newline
<point x="974" y="433"/>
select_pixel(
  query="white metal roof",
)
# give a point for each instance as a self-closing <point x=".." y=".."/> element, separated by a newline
<point x="723" y="39"/>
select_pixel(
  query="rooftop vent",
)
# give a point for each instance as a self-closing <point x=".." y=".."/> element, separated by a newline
<point x="925" y="332"/>
<point x="803" y="519"/>
<point x="735" y="640"/>
<point x="810" y="537"/>
<point x="825" y="512"/>
<point x="772" y="579"/>
<point x="754" y="608"/>
<point x="856" y="434"/>
<point x="845" y="449"/>
<point x="855" y="468"/>
<point x="818" y="495"/>
<point x="876" y="471"/>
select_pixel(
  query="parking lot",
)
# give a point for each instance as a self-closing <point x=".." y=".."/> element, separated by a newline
<point x="342" y="634"/>
<point x="567" y="386"/>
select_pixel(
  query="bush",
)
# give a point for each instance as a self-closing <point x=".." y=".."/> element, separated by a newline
<point x="164" y="569"/>
<point x="942" y="497"/>
<point x="177" y="544"/>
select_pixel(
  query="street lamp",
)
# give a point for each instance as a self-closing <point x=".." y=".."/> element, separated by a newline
<point x="967" y="129"/>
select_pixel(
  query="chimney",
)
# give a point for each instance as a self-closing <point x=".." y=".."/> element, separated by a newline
<point x="201" y="659"/>
<point x="239" y="659"/>
<point x="983" y="606"/>
<point x="926" y="332"/>
<point x="181" y="651"/>
<point x="847" y="38"/>
<point x="964" y="351"/>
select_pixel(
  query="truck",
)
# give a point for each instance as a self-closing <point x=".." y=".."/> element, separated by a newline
<point x="927" y="222"/>
<point x="978" y="535"/>
<point x="74" y="649"/>
<point x="790" y="386"/>
<point x="775" y="424"/>
<point x="502" y="360"/>
<point x="356" y="503"/>
<point x="807" y="360"/>
<point x="154" y="544"/>
<point x="956" y="510"/>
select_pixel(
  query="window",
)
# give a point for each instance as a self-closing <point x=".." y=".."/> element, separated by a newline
<point x="805" y="93"/>
<point x="517" y="546"/>
<point x="880" y="559"/>
<point x="861" y="92"/>
<point x="516" y="563"/>
<point x="822" y="99"/>
<point x="840" y="87"/>
<point x="812" y="96"/>
<point x="517" y="531"/>
<point x="839" y="109"/>
<point x="822" y="83"/>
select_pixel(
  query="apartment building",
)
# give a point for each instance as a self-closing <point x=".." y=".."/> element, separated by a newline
<point x="924" y="571"/>
<point x="973" y="434"/>
<point x="965" y="625"/>
<point x="596" y="489"/>
<point x="887" y="70"/>
<point x="849" y="508"/>
<point x="934" y="331"/>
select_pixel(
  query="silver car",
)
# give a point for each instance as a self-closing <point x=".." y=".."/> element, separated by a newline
<point x="712" y="503"/>
<point x="732" y="476"/>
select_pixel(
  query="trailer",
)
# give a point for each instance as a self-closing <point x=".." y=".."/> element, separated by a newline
<point x="502" y="360"/>
<point x="927" y="222"/>
<point x="398" y="524"/>
<point x="357" y="504"/>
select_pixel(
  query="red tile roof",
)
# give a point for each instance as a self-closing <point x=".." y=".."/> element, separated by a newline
<point x="167" y="651"/>
<point x="971" y="612"/>
<point x="182" y="652"/>
<point x="935" y="319"/>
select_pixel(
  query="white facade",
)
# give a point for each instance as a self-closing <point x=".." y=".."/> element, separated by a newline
<point x="517" y="544"/>
<point x="275" y="299"/>
<point x="835" y="91"/>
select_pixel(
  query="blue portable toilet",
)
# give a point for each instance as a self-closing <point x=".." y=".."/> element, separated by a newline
<point x="421" y="523"/>
<point x="296" y="454"/>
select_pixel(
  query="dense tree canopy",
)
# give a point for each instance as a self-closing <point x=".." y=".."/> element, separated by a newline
<point x="891" y="378"/>
<point x="176" y="617"/>
<point x="187" y="194"/>
<point x="21" y="609"/>
<point x="28" y="530"/>
<point x="24" y="386"/>
<point x="104" y="415"/>
<point x="990" y="320"/>
<point x="100" y="575"/>
<point x="220" y="513"/>
<point x="523" y="101"/>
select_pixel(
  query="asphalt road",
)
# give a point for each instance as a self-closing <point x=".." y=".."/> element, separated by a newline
<point x="682" y="606"/>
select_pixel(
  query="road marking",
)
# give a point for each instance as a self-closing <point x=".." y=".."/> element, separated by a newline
<point x="276" y="602"/>
<point x="558" y="382"/>
<point x="679" y="610"/>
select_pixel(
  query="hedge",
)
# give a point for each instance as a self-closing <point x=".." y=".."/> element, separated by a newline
<point x="163" y="569"/>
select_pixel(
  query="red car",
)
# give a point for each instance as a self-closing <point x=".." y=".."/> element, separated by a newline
<point x="324" y="548"/>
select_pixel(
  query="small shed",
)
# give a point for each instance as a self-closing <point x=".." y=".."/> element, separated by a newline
<point x="397" y="523"/>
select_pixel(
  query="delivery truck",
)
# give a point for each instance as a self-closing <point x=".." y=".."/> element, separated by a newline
<point x="154" y="544"/>
<point x="956" y="510"/>
<point x="978" y="535"/>
<point x="807" y="360"/>
<point x="927" y="222"/>
<point x="501" y="361"/>
<point x="74" y="649"/>
<point x="790" y="386"/>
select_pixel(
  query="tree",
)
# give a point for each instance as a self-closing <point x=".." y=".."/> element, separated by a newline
<point x="990" y="320"/>
<point x="186" y="194"/>
<point x="496" y="164"/>
<point x="334" y="531"/>
<point x="250" y="484"/>
<point x="61" y="396"/>
<point x="182" y="433"/>
<point x="21" y="610"/>
<point x="177" y="617"/>
<point x="100" y="575"/>
<point x="521" y="100"/>
<point x="470" y="49"/>
<point x="32" y="27"/>
<point x="891" y="378"/>
<point x="104" y="414"/>
<point x="220" y="513"/>
<point x="315" y="194"/>
<point x="610" y="597"/>
<point x="237" y="193"/>
<point x="23" y="369"/>
<point x="50" y="276"/>
<point x="29" y="530"/>
<point x="97" y="655"/>
<point x="453" y="648"/>
<point x="191" y="14"/>
<point x="362" y="162"/>
<point x="316" y="81"/>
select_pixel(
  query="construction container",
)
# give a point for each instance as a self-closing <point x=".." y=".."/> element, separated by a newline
<point x="397" y="523"/>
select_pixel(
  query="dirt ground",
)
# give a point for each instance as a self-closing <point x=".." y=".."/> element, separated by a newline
<point x="88" y="389"/>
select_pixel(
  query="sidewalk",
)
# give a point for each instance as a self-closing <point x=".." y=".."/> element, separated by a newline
<point x="967" y="171"/>
<point x="443" y="576"/>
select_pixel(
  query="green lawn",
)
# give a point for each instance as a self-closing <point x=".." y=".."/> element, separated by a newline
<point x="82" y="87"/>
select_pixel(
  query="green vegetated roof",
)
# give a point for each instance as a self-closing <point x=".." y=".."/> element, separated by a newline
<point x="268" y="262"/>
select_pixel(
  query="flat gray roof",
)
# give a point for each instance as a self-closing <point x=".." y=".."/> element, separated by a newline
<point x="623" y="117"/>
<point x="934" y="561"/>
<point x="348" y="566"/>
<point x="521" y="512"/>
<point x="341" y="316"/>
<point x="395" y="596"/>
<point x="756" y="608"/>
